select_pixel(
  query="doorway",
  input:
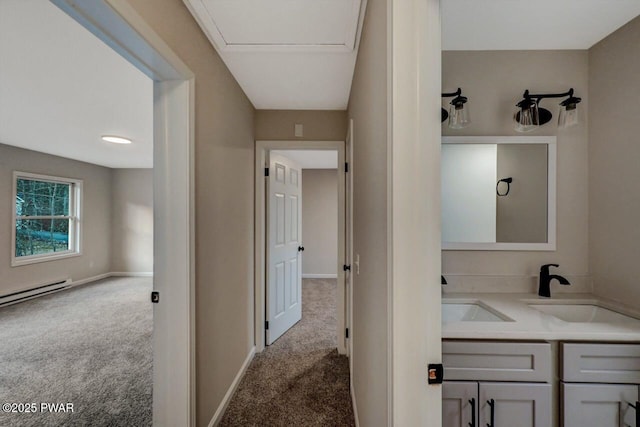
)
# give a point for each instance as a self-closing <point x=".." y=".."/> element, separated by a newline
<point x="118" y="25"/>
<point x="264" y="312"/>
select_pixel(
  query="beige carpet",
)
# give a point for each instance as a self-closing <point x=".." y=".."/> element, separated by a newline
<point x="300" y="380"/>
<point x="90" y="346"/>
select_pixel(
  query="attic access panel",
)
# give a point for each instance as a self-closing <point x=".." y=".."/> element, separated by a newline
<point x="282" y="23"/>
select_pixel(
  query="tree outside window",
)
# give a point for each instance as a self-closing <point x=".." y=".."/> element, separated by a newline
<point x="46" y="217"/>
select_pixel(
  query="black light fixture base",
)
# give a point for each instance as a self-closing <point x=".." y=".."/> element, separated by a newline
<point x="444" y="115"/>
<point x="544" y="116"/>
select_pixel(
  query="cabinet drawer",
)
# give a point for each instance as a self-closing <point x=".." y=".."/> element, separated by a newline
<point x="496" y="361"/>
<point x="597" y="363"/>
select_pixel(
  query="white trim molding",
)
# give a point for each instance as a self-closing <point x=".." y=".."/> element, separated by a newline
<point x="119" y="25"/>
<point x="217" y="416"/>
<point x="261" y="153"/>
<point x="131" y="274"/>
<point x="319" y="276"/>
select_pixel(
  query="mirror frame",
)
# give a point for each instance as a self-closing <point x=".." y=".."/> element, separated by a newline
<point x="550" y="245"/>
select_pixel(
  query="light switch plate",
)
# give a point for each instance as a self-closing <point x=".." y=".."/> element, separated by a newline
<point x="298" y="130"/>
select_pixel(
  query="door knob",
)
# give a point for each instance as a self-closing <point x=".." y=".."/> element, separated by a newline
<point x="300" y="248"/>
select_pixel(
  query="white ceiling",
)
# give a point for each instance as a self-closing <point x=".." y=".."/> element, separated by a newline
<point x="61" y="89"/>
<point x="312" y="159"/>
<point x="286" y="54"/>
<point x="532" y="24"/>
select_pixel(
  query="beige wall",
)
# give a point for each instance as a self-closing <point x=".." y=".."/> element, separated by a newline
<point x="368" y="109"/>
<point x="494" y="82"/>
<point x="96" y="220"/>
<point x="320" y="221"/>
<point x="132" y="221"/>
<point x="614" y="174"/>
<point x="224" y="153"/>
<point x="317" y="125"/>
<point x="521" y="215"/>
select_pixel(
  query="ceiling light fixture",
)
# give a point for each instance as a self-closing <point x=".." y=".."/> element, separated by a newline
<point x="458" y="114"/>
<point x="116" y="139"/>
<point x="530" y="116"/>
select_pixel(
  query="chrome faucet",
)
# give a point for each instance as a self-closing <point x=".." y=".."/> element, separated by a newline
<point x="544" y="289"/>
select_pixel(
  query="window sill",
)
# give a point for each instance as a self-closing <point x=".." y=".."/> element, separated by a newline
<point x="34" y="259"/>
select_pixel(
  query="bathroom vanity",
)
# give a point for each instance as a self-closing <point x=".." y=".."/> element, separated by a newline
<point x="517" y="360"/>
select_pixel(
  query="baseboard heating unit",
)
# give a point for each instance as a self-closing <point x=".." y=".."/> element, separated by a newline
<point x="33" y="292"/>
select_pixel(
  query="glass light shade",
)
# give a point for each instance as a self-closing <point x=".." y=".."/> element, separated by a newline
<point x="568" y="116"/>
<point x="527" y="118"/>
<point x="459" y="117"/>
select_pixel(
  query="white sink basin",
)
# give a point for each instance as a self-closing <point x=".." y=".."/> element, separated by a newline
<point x="583" y="313"/>
<point x="470" y="312"/>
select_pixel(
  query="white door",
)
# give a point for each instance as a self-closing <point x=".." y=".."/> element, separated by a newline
<point x="606" y="405"/>
<point x="515" y="404"/>
<point x="284" y="267"/>
<point x="459" y="404"/>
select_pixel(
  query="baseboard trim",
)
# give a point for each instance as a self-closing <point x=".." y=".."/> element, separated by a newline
<point x="89" y="279"/>
<point x="319" y="276"/>
<point x="73" y="283"/>
<point x="353" y="404"/>
<point x="131" y="274"/>
<point x="217" y="416"/>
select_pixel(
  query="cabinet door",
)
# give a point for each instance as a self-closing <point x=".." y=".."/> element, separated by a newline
<point x="602" y="405"/>
<point x="515" y="404"/>
<point x="459" y="404"/>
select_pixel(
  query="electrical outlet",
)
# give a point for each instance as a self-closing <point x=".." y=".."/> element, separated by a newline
<point x="297" y="130"/>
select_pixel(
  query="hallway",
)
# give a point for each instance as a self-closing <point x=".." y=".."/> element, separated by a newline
<point x="301" y="379"/>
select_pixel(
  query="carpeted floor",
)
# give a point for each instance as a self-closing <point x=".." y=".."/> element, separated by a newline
<point x="300" y="380"/>
<point x="90" y="346"/>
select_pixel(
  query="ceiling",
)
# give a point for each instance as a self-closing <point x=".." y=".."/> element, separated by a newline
<point x="61" y="89"/>
<point x="286" y="54"/>
<point x="532" y="25"/>
<point x="312" y="159"/>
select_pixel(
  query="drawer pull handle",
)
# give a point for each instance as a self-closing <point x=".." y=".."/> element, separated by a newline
<point x="637" y="409"/>
<point x="472" y="401"/>
<point x="492" y="405"/>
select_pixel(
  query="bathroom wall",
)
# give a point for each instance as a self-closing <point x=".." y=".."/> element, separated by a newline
<point x="494" y="82"/>
<point x="614" y="155"/>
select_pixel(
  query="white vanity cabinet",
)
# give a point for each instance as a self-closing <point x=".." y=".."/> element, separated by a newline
<point x="473" y="404"/>
<point x="496" y="384"/>
<point x="600" y="385"/>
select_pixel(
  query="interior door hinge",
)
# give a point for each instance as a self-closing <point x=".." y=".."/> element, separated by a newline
<point x="266" y="171"/>
<point x="346" y="267"/>
<point x="266" y="325"/>
<point x="155" y="297"/>
<point x="346" y="167"/>
<point x="346" y="333"/>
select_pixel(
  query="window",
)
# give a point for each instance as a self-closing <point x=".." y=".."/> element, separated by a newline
<point x="46" y="222"/>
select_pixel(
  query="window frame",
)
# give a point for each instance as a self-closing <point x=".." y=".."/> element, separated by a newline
<point x="75" y="219"/>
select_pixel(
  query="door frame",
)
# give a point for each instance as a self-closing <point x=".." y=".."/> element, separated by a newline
<point x="262" y="147"/>
<point x="118" y="25"/>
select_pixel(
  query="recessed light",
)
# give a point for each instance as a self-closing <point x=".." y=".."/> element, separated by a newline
<point x="116" y="139"/>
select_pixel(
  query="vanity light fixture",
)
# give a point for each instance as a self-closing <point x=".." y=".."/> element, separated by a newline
<point x="530" y="116"/>
<point x="116" y="139"/>
<point x="458" y="114"/>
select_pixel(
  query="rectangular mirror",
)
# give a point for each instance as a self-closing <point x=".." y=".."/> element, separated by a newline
<point x="498" y="193"/>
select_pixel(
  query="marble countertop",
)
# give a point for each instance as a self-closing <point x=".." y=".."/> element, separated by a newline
<point x="530" y="324"/>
